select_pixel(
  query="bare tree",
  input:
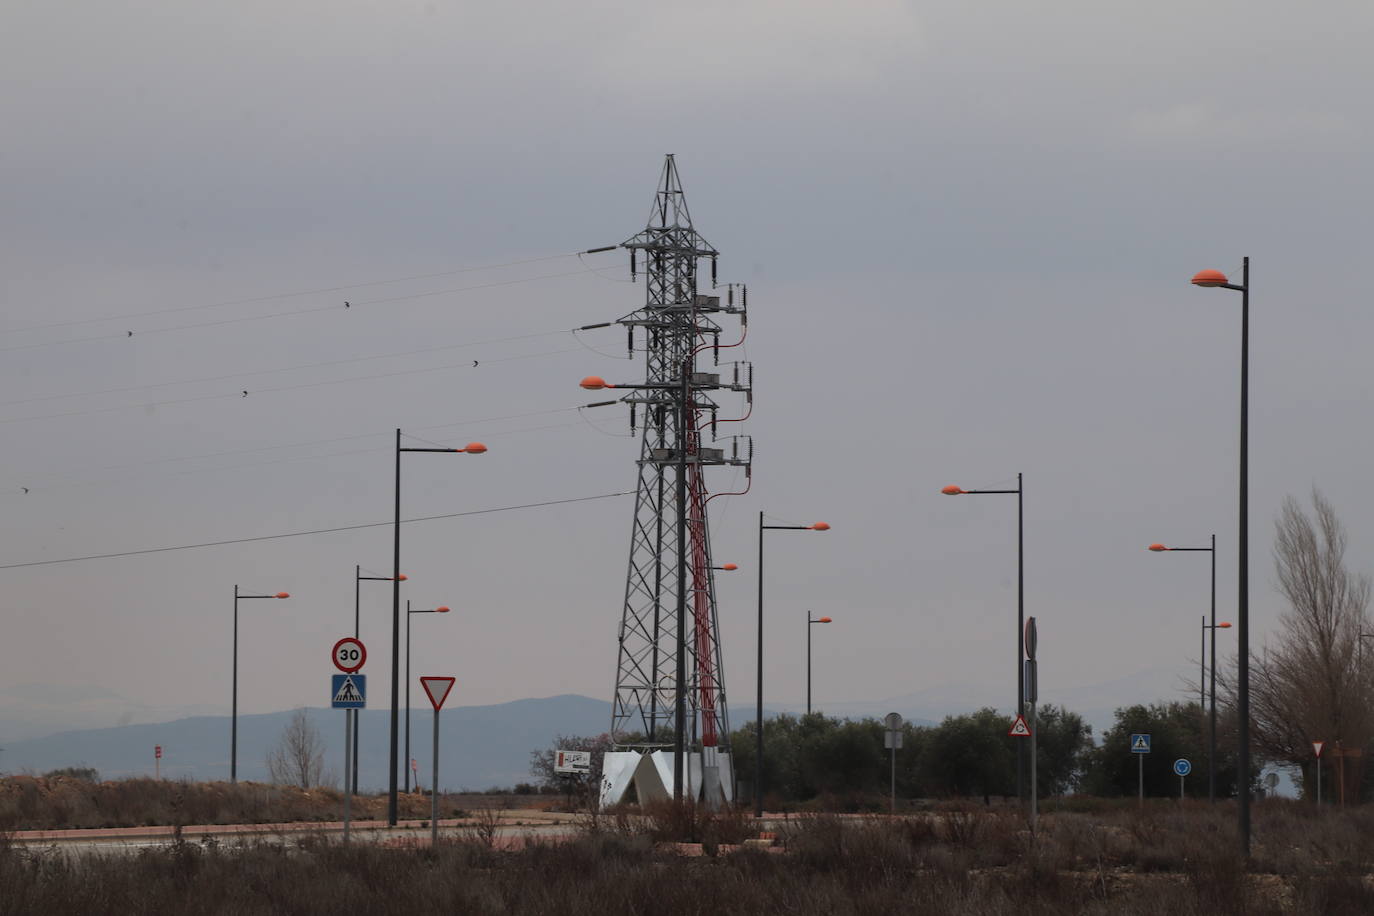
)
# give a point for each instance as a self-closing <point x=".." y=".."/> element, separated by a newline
<point x="1312" y="682"/>
<point x="298" y="758"/>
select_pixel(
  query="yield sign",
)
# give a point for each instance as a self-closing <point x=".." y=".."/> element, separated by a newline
<point x="1019" y="728"/>
<point x="437" y="688"/>
<point x="1317" y="747"/>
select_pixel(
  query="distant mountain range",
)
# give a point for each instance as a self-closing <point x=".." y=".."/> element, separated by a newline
<point x="480" y="746"/>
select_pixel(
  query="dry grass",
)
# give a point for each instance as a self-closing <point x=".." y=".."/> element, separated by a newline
<point x="1167" y="858"/>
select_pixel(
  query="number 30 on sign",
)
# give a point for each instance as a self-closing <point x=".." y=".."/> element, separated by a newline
<point x="349" y="655"/>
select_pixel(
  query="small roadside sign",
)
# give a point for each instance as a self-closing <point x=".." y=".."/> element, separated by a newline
<point x="348" y="691"/>
<point x="1019" y="728"/>
<point x="349" y="654"/>
<point x="157" y="751"/>
<point x="572" y="761"/>
<point x="1182" y="767"/>
<point x="1317" y="748"/>
<point x="1140" y="744"/>
<point x="437" y="688"/>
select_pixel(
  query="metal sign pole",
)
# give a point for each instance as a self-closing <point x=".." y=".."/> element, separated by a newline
<point x="1034" y="786"/>
<point x="348" y="771"/>
<point x="1180" y="788"/>
<point x="1140" y="759"/>
<point x="894" y="777"/>
<point x="1319" y="782"/>
<point x="434" y="789"/>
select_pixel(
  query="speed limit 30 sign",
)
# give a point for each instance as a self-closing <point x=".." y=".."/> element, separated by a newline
<point x="349" y="655"/>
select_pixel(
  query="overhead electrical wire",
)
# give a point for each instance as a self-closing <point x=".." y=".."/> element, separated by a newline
<point x="307" y="292"/>
<point x="130" y="334"/>
<point x="296" y="534"/>
<point x="298" y="368"/>
<point x="243" y="393"/>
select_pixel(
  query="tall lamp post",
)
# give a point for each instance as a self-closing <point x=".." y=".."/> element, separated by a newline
<point x="953" y="490"/>
<point x="472" y="448"/>
<point x="441" y="609"/>
<point x="758" y="746"/>
<point x="359" y="578"/>
<point x="1212" y="740"/>
<point x="1211" y="278"/>
<point x="810" y="622"/>
<point x="234" y="716"/>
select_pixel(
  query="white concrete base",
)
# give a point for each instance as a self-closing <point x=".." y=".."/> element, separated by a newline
<point x="651" y="777"/>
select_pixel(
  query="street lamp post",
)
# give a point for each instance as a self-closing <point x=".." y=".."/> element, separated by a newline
<point x="758" y="746"/>
<point x="472" y="448"/>
<point x="1212" y="278"/>
<point x="359" y="578"/>
<point x="1020" y="608"/>
<point x="441" y="609"/>
<point x="234" y="715"/>
<point x="1212" y="741"/>
<point x="809" y="623"/>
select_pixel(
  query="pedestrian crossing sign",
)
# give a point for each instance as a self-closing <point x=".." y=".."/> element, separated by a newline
<point x="348" y="691"/>
<point x="1140" y="744"/>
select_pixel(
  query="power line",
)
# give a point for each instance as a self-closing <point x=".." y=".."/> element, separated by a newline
<point x="296" y="534"/>
<point x="306" y="292"/>
<point x="125" y="335"/>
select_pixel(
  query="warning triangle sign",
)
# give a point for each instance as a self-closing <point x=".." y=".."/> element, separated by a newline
<point x="1019" y="728"/>
<point x="348" y="692"/>
<point x="437" y="688"/>
<point x="1317" y="747"/>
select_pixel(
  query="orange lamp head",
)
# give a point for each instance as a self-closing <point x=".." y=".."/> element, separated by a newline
<point x="442" y="609"/>
<point x="474" y="448"/>
<point x="1209" y="278"/>
<point x="1224" y="625"/>
<point x="283" y="594"/>
<point x="822" y="620"/>
<point x="1158" y="547"/>
<point x="951" y="490"/>
<point x="820" y="526"/>
<point x="595" y="383"/>
<point x="729" y="567"/>
<point x="401" y="578"/>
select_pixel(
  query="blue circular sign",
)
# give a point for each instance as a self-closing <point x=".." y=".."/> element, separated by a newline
<point x="1182" y="767"/>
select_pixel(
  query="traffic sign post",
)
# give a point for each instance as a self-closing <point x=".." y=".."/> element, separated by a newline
<point x="892" y="738"/>
<point x="437" y="689"/>
<point x="348" y="691"/>
<point x="1140" y="745"/>
<point x="157" y="761"/>
<point x="1032" y="688"/>
<point x="1317" y="751"/>
<point x="1182" y="767"/>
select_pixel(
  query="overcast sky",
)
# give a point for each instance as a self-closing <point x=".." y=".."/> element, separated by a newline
<point x="967" y="229"/>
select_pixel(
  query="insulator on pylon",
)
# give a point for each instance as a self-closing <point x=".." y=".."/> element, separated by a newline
<point x="734" y="447"/>
<point x="632" y="263"/>
<point x="715" y="347"/>
<point x="730" y="295"/>
<point x="736" y="368"/>
<point x="630" y="335"/>
<point x="713" y="272"/>
<point x="632" y="416"/>
<point x="713" y="422"/>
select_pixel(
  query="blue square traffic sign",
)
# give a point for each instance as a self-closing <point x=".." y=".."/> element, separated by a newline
<point x="348" y="691"/>
<point x="1140" y="744"/>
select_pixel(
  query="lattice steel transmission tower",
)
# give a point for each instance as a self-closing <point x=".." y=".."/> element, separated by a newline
<point x="669" y="690"/>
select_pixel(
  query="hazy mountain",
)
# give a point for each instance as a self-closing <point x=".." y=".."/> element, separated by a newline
<point x="480" y="746"/>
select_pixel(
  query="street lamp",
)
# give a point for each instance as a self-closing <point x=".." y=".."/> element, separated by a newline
<point x="953" y="490"/>
<point x="234" y="716"/>
<point x="809" y="623"/>
<point x="1217" y="278"/>
<point x="472" y="448"/>
<point x="1212" y="741"/>
<point x="758" y="746"/>
<point x="441" y="609"/>
<point x="358" y="578"/>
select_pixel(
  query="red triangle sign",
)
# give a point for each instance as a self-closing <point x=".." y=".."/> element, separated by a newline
<point x="437" y="688"/>
<point x="1317" y="747"/>
<point x="1019" y="728"/>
